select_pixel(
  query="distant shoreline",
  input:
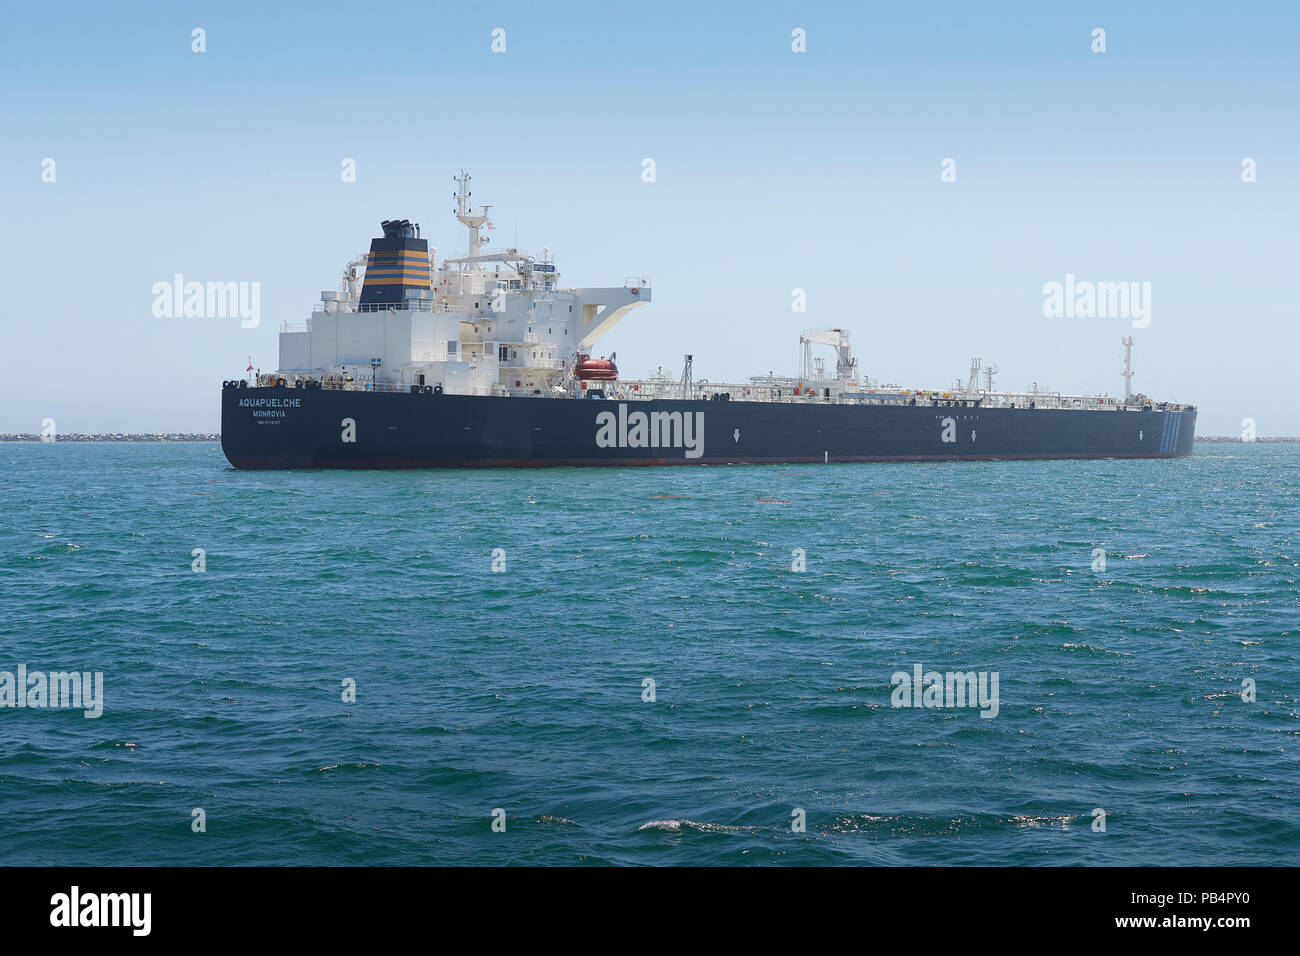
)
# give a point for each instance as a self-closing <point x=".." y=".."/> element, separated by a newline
<point x="1233" y="440"/>
<point x="116" y="436"/>
<point x="212" y="436"/>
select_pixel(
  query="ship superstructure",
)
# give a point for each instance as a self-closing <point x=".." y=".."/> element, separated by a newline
<point x="485" y="323"/>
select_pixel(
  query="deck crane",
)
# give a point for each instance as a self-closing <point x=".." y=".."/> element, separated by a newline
<point x="846" y="366"/>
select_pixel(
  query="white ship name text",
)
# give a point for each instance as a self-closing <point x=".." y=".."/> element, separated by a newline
<point x="270" y="402"/>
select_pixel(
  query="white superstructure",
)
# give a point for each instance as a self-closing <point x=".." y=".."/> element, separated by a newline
<point x="488" y="324"/>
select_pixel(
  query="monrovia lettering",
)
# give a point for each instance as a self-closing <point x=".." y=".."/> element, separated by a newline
<point x="651" y="430"/>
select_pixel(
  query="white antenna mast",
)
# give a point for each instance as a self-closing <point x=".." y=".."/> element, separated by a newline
<point x="470" y="219"/>
<point x="1128" y="368"/>
<point x="972" y="387"/>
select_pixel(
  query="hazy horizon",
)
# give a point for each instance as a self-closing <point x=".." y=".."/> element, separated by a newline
<point x="775" y="171"/>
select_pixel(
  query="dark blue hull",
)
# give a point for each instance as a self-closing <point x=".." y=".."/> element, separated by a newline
<point x="319" y="428"/>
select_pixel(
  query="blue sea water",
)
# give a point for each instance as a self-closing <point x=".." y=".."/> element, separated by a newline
<point x="522" y="690"/>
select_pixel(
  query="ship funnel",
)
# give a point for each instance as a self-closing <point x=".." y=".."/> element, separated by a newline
<point x="398" y="263"/>
<point x="399" y="229"/>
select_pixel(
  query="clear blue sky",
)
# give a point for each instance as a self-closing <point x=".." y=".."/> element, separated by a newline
<point x="775" y="170"/>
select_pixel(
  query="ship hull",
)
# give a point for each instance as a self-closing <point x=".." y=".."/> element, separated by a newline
<point x="276" y="428"/>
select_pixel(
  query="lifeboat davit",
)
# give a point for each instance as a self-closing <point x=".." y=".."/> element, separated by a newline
<point x="595" y="370"/>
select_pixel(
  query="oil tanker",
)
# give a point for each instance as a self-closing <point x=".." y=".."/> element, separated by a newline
<point x="485" y="361"/>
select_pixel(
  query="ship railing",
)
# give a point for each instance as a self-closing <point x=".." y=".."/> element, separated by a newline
<point x="1053" y="400"/>
<point x="636" y="282"/>
<point x="410" y="305"/>
<point x="788" y="392"/>
<point x="651" y="389"/>
<point x="295" y="326"/>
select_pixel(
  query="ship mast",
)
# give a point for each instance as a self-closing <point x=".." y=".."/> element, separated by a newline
<point x="470" y="219"/>
<point x="1128" y="368"/>
<point x="973" y="386"/>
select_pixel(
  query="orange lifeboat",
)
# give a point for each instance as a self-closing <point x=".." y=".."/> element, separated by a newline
<point x="589" y="369"/>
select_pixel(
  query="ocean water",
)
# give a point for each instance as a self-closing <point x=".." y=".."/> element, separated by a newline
<point x="522" y="690"/>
